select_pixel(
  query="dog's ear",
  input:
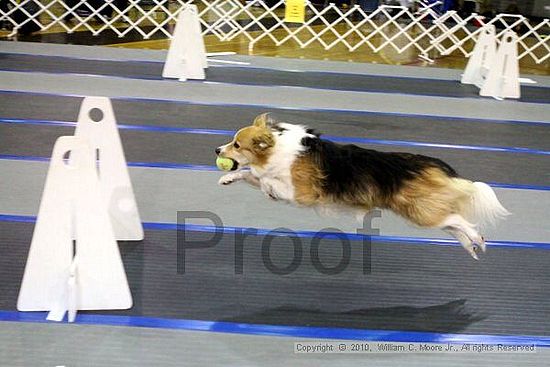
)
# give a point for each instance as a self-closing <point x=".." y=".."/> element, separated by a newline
<point x="263" y="142"/>
<point x="313" y="132"/>
<point x="264" y="120"/>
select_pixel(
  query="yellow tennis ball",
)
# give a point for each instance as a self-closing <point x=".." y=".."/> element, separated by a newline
<point x="225" y="164"/>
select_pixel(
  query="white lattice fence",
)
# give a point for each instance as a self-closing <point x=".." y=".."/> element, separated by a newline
<point x="533" y="40"/>
<point x="388" y="27"/>
<point x="147" y="18"/>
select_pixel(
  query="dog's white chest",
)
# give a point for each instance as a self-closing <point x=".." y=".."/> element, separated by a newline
<point x="277" y="188"/>
<point x="275" y="178"/>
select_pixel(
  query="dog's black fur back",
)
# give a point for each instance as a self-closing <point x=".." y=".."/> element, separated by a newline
<point x="349" y="168"/>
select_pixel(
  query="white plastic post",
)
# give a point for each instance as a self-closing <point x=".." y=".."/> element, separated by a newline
<point x="187" y="54"/>
<point x="74" y="261"/>
<point x="97" y="125"/>
<point x="482" y="57"/>
<point x="197" y="37"/>
<point x="503" y="78"/>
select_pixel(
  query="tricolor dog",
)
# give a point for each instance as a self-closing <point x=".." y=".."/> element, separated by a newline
<point x="292" y="163"/>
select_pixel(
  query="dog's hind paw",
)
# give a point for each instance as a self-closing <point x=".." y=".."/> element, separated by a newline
<point x="472" y="252"/>
<point x="480" y="243"/>
<point x="474" y="247"/>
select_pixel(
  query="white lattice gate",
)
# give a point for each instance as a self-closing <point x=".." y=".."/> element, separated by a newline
<point x="395" y="27"/>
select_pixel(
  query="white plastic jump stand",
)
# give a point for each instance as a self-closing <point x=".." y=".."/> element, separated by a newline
<point x="97" y="125"/>
<point x="74" y="261"/>
<point x="503" y="78"/>
<point x="482" y="57"/>
<point x="187" y="55"/>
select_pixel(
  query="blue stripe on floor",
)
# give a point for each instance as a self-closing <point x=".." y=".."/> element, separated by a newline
<point x="163" y="165"/>
<point x="518" y="186"/>
<point x="334" y="138"/>
<point x="204" y="167"/>
<point x="283" y="331"/>
<point x="304" y="234"/>
<point x="273" y="107"/>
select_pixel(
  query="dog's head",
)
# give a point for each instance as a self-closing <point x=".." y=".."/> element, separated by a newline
<point x="251" y="145"/>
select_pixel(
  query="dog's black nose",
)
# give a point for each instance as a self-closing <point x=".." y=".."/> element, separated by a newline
<point x="218" y="150"/>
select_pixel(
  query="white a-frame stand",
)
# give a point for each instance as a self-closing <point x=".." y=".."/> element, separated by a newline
<point x="187" y="55"/>
<point x="87" y="203"/>
<point x="495" y="72"/>
<point x="97" y="124"/>
<point x="74" y="262"/>
<point x="482" y="57"/>
<point x="503" y="78"/>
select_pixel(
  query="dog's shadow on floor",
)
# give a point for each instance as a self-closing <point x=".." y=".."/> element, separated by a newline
<point x="450" y="317"/>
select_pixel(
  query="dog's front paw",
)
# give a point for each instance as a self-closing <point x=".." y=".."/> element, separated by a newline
<point x="228" y="179"/>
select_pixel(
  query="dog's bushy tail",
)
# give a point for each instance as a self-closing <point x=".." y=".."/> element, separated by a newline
<point x="484" y="208"/>
<point x="480" y="204"/>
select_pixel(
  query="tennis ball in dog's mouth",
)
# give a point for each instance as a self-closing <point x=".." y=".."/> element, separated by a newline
<point x="226" y="164"/>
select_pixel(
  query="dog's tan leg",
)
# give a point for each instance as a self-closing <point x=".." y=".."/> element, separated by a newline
<point x="252" y="180"/>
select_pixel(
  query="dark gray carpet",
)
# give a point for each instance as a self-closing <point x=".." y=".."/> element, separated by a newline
<point x="402" y="287"/>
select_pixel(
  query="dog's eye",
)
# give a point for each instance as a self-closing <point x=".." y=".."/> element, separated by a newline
<point x="236" y="145"/>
